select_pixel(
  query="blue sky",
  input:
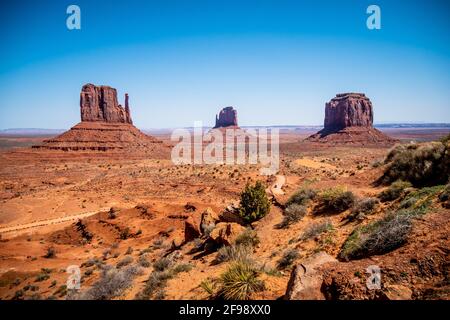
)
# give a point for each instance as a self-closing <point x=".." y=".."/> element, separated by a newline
<point x="277" y="62"/>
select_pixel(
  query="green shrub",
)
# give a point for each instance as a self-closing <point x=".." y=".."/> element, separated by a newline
<point x="421" y="198"/>
<point x="302" y="197"/>
<point x="292" y="214"/>
<point x="182" y="267"/>
<point x="162" y="264"/>
<point x="155" y="284"/>
<point x="315" y="229"/>
<point x="336" y="200"/>
<point x="51" y="253"/>
<point x="444" y="197"/>
<point x="254" y="203"/>
<point x="143" y="262"/>
<point x="287" y="259"/>
<point x="124" y="262"/>
<point x="445" y="139"/>
<point x="125" y="233"/>
<point x="362" y="208"/>
<point x="240" y="281"/>
<point x="378" y="237"/>
<point x="247" y="238"/>
<point x="426" y="164"/>
<point x="394" y="191"/>
<point x="42" y="276"/>
<point x="234" y="253"/>
<point x="209" y="286"/>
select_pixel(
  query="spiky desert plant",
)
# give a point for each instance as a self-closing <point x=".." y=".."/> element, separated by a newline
<point x="240" y="281"/>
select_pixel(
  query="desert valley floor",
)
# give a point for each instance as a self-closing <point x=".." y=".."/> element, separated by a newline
<point x="96" y="209"/>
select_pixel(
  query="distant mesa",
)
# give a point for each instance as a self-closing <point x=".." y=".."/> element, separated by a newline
<point x="227" y="117"/>
<point x="105" y="126"/>
<point x="349" y="119"/>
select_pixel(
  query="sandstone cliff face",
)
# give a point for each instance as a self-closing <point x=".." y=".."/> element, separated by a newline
<point x="227" y="117"/>
<point x="99" y="103"/>
<point x="349" y="120"/>
<point x="348" y="110"/>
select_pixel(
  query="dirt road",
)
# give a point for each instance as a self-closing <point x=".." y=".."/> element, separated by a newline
<point x="47" y="222"/>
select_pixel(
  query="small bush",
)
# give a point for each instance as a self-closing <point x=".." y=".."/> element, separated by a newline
<point x="158" y="244"/>
<point x="302" y="197"/>
<point x="162" y="264"/>
<point x="247" y="238"/>
<point x="51" y="253"/>
<point x="394" y="191"/>
<point x="112" y="283"/>
<point x="92" y="262"/>
<point x="183" y="267"/>
<point x="234" y="253"/>
<point x="313" y="230"/>
<point x="254" y="203"/>
<point x="143" y="262"/>
<point x="125" y="233"/>
<point x="209" y="286"/>
<point x="42" y="276"/>
<point x="156" y="282"/>
<point x="426" y="164"/>
<point x="445" y="139"/>
<point x="124" y="262"/>
<point x="292" y="214"/>
<point x="421" y="199"/>
<point x="378" y="237"/>
<point x="444" y="197"/>
<point x="287" y="259"/>
<point x="363" y="207"/>
<point x="336" y="199"/>
<point x="239" y="282"/>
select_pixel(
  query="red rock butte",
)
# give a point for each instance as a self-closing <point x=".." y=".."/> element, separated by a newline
<point x="105" y="126"/>
<point x="227" y="117"/>
<point x="349" y="120"/>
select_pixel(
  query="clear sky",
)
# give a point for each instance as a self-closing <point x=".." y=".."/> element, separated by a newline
<point x="276" y="62"/>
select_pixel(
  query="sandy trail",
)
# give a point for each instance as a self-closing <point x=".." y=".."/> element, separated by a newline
<point x="276" y="187"/>
<point x="47" y="222"/>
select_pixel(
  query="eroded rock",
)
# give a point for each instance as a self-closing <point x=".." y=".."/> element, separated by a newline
<point x="305" y="282"/>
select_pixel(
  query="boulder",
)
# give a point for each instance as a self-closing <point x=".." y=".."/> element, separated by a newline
<point x="230" y="214"/>
<point x="306" y="281"/>
<point x="226" y="233"/>
<point x="227" y="117"/>
<point x="208" y="218"/>
<point x="191" y="228"/>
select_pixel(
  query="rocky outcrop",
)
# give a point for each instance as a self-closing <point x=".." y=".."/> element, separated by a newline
<point x="99" y="103"/>
<point x="348" y="110"/>
<point x="349" y="119"/>
<point x="306" y="280"/>
<point x="227" y="117"/>
<point x="225" y="233"/>
<point x="191" y="228"/>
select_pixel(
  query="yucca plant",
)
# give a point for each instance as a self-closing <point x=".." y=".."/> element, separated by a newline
<point x="239" y="281"/>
